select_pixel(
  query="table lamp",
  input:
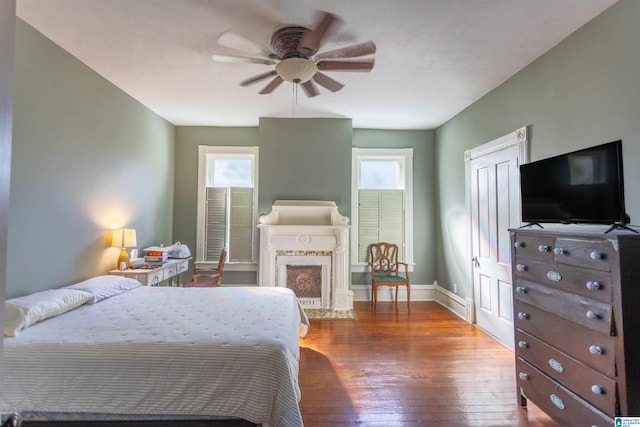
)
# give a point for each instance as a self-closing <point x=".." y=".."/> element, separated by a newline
<point x="123" y="238"/>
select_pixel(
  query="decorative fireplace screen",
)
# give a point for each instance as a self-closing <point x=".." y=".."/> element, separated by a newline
<point x="308" y="275"/>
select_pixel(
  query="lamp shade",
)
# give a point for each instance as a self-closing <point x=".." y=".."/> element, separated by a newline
<point x="296" y="70"/>
<point x="124" y="238"/>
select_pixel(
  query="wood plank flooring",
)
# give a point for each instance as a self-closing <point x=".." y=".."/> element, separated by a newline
<point x="391" y="368"/>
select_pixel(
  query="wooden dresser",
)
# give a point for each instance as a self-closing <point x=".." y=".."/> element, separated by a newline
<point x="576" y="300"/>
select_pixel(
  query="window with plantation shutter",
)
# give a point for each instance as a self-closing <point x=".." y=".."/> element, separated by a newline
<point x="392" y="218"/>
<point x="382" y="205"/>
<point x="380" y="219"/>
<point x="368" y="221"/>
<point x="241" y="225"/>
<point x="216" y="223"/>
<point x="227" y="202"/>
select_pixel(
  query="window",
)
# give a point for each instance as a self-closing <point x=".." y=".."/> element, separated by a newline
<point x="382" y="202"/>
<point x="227" y="203"/>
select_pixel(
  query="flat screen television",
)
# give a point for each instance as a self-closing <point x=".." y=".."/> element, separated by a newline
<point x="584" y="186"/>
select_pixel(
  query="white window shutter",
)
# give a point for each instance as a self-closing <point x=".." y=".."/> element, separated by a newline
<point x="241" y="225"/>
<point x="368" y="221"/>
<point x="392" y="219"/>
<point x="215" y="222"/>
<point x="380" y="219"/>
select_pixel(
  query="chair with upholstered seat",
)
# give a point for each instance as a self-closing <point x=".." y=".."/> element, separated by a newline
<point x="208" y="276"/>
<point x="385" y="270"/>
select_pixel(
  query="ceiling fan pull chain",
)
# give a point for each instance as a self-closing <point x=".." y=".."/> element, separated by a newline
<point x="294" y="96"/>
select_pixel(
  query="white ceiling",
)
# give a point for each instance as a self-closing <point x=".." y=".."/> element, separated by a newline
<point x="434" y="57"/>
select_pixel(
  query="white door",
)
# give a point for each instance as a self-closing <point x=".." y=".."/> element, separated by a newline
<point x="494" y="207"/>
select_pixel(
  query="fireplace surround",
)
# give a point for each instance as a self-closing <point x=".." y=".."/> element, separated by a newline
<point x="303" y="242"/>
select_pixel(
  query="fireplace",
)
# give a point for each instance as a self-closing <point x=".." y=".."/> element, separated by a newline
<point x="304" y="246"/>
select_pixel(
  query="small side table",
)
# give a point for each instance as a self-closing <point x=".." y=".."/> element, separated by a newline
<point x="170" y="270"/>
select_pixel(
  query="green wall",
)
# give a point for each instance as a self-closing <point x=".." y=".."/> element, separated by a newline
<point x="583" y="92"/>
<point x="305" y="159"/>
<point x="308" y="159"/>
<point x="86" y="157"/>
<point x="7" y="45"/>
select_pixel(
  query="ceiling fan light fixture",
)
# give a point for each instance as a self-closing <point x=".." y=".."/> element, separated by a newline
<point x="296" y="70"/>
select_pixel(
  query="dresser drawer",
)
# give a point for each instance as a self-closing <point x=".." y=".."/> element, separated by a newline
<point x="597" y="389"/>
<point x="591" y="348"/>
<point x="583" y="311"/>
<point x="595" y="254"/>
<point x="533" y="247"/>
<point x="557" y="401"/>
<point x="589" y="283"/>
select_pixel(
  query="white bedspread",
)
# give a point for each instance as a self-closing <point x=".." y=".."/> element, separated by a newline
<point x="159" y="350"/>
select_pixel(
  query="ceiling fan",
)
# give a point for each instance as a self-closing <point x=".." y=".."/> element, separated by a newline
<point x="295" y="56"/>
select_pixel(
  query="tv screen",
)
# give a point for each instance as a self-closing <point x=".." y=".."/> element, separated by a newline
<point x="584" y="186"/>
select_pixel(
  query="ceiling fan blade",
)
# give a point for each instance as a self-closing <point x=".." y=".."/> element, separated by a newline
<point x="311" y="40"/>
<point x="327" y="82"/>
<point x="309" y="89"/>
<point x="242" y="59"/>
<point x="345" y="65"/>
<point x="272" y="85"/>
<point x="362" y="49"/>
<point x="258" y="78"/>
<point x="241" y="43"/>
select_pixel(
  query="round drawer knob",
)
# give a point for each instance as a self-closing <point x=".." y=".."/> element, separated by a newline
<point x="593" y="286"/>
<point x="523" y="376"/>
<point x="521" y="267"/>
<point x="595" y="349"/>
<point x="521" y="290"/>
<point x="559" y="251"/>
<point x="592" y="315"/>
<point x="523" y="316"/>
<point x="596" y="389"/>
<point x="523" y="344"/>
<point x="519" y="245"/>
<point x="544" y="248"/>
<point x="596" y="255"/>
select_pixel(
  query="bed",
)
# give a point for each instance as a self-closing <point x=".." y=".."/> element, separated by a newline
<point x="161" y="353"/>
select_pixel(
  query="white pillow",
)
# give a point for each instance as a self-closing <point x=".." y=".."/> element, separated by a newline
<point x="103" y="287"/>
<point x="22" y="312"/>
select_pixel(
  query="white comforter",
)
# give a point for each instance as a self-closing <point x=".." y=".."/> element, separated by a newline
<point x="159" y="350"/>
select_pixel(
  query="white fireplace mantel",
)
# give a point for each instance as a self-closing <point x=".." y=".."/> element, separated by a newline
<point x="305" y="227"/>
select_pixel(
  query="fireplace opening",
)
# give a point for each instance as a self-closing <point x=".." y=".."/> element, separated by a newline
<point x="305" y="280"/>
<point x="308" y="275"/>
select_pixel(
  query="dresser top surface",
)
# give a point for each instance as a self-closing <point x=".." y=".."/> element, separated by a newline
<point x="578" y="232"/>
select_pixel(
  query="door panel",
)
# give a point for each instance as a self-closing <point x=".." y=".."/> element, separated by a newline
<point x="494" y="209"/>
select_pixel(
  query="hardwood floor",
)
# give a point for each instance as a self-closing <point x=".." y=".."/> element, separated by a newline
<point x="391" y="369"/>
<point x="426" y="368"/>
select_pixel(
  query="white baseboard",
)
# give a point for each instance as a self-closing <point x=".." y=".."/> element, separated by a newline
<point x="418" y="293"/>
<point x="453" y="302"/>
<point x="459" y="306"/>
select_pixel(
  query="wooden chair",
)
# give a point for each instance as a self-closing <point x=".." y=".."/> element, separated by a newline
<point x="208" y="276"/>
<point x="383" y="260"/>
